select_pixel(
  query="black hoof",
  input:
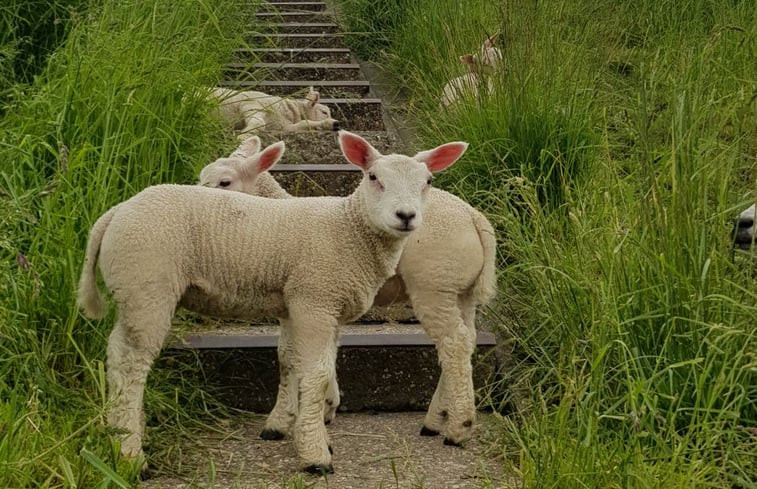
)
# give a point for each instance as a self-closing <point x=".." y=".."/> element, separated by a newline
<point x="451" y="443"/>
<point x="319" y="469"/>
<point x="271" y="435"/>
<point x="144" y="475"/>
<point x="428" y="432"/>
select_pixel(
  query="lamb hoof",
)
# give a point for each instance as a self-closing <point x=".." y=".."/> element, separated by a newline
<point x="451" y="443"/>
<point x="268" y="434"/>
<point x="428" y="432"/>
<point x="319" y="469"/>
<point x="144" y="475"/>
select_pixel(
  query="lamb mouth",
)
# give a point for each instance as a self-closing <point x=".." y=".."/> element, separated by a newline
<point x="743" y="244"/>
<point x="404" y="229"/>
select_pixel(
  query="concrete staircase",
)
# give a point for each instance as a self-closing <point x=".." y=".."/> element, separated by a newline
<point x="385" y="362"/>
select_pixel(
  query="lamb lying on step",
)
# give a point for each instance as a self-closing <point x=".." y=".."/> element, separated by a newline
<point x="481" y="67"/>
<point x="251" y="111"/>
<point x="446" y="269"/>
<point x="236" y="255"/>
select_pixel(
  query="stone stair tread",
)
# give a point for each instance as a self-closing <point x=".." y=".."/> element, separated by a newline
<point x="320" y="147"/>
<point x="287" y="87"/>
<point x="314" y="167"/>
<point x="235" y="335"/>
<point x="295" y="40"/>
<point x="353" y="66"/>
<point x="293" y="6"/>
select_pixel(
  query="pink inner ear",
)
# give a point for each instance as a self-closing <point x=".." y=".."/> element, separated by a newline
<point x="444" y="155"/>
<point x="355" y="149"/>
<point x="269" y="157"/>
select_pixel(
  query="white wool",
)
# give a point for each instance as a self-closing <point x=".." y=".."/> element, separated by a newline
<point x="447" y="269"/>
<point x="251" y="112"/>
<point x="236" y="255"/>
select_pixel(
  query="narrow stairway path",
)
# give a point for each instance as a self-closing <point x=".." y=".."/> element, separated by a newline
<point x="386" y="365"/>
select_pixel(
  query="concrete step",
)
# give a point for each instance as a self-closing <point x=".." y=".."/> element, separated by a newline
<point x="328" y="88"/>
<point x="384" y="367"/>
<point x="299" y="27"/>
<point x="296" y="40"/>
<point x="312" y="179"/>
<point x="293" y="71"/>
<point x="320" y="147"/>
<point x="294" y="55"/>
<point x="291" y="7"/>
<point x="292" y="17"/>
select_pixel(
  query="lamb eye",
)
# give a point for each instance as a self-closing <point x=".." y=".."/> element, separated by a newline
<point x="224" y="183"/>
<point x="428" y="182"/>
<point x="371" y="177"/>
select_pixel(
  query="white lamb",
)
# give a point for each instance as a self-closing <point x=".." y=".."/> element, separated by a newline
<point x="236" y="255"/>
<point x="446" y="269"/>
<point x="481" y="67"/>
<point x="743" y="230"/>
<point x="250" y="112"/>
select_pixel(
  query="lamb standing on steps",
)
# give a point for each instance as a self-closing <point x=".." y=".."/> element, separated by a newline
<point x="236" y="255"/>
<point x="446" y="269"/>
<point x="481" y="67"/>
<point x="251" y="111"/>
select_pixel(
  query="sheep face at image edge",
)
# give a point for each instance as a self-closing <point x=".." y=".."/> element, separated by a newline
<point x="743" y="228"/>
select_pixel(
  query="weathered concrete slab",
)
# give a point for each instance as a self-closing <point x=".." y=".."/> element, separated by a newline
<point x="294" y="55"/>
<point x="399" y="360"/>
<point x="328" y="88"/>
<point x="300" y="27"/>
<point x="294" y="16"/>
<point x="292" y="71"/>
<point x="297" y="40"/>
<point x="318" y="147"/>
<point x="292" y="6"/>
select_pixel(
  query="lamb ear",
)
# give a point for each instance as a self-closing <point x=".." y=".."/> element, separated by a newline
<point x="489" y="42"/>
<point x="357" y="150"/>
<point x="248" y="148"/>
<point x="468" y="59"/>
<point x="267" y="158"/>
<point x="443" y="156"/>
<point x="313" y="96"/>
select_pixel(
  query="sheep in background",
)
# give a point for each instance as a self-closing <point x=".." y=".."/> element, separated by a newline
<point x="743" y="229"/>
<point x="250" y="111"/>
<point x="481" y="67"/>
<point x="236" y="255"/>
<point x="446" y="269"/>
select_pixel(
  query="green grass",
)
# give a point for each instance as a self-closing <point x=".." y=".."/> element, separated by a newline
<point x="615" y="150"/>
<point x="106" y="116"/>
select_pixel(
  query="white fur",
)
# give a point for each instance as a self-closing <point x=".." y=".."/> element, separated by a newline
<point x="251" y="112"/>
<point x="446" y="269"/>
<point x="236" y="255"/>
<point x="481" y="67"/>
<point x="744" y="230"/>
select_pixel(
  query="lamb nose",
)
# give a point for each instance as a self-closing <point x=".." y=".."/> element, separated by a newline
<point x="744" y="222"/>
<point x="406" y="217"/>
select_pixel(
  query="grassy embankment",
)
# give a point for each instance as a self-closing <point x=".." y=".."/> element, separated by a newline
<point x="618" y="144"/>
<point x="93" y="111"/>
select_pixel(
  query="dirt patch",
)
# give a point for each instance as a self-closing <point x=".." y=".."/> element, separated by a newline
<point x="370" y="451"/>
